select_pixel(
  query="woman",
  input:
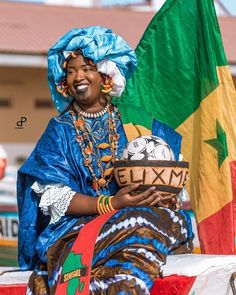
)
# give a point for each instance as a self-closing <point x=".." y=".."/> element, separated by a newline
<point x="68" y="180"/>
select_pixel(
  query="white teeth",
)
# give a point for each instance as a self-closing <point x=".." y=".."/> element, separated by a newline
<point x="81" y="87"/>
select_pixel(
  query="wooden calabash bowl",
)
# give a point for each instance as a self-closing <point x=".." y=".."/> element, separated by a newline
<point x="169" y="177"/>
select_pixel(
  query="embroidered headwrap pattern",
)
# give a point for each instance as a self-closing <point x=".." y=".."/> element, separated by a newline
<point x="111" y="54"/>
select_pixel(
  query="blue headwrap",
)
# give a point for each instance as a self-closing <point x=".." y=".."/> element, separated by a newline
<point x="97" y="44"/>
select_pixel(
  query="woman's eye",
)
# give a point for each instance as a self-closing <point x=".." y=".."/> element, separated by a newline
<point x="87" y="68"/>
<point x="70" y="71"/>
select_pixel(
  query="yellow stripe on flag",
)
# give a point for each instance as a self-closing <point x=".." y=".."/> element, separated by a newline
<point x="133" y="131"/>
<point x="210" y="184"/>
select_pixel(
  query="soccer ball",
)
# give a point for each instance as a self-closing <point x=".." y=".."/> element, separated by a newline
<point x="148" y="147"/>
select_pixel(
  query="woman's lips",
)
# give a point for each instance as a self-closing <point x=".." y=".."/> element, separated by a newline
<point x="81" y="88"/>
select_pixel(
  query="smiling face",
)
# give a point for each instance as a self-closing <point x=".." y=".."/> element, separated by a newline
<point x="84" y="84"/>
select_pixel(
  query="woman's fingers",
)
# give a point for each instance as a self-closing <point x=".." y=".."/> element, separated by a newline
<point x="151" y="199"/>
<point x="128" y="189"/>
<point x="167" y="202"/>
<point x="123" y="198"/>
<point x="161" y="201"/>
<point x="141" y="198"/>
<point x="174" y="200"/>
<point x="156" y="200"/>
<point x="166" y="198"/>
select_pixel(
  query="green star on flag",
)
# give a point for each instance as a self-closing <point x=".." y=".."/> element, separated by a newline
<point x="219" y="143"/>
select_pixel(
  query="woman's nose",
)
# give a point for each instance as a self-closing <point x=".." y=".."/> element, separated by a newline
<point x="80" y="75"/>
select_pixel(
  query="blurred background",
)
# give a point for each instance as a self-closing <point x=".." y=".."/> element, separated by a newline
<point x="28" y="29"/>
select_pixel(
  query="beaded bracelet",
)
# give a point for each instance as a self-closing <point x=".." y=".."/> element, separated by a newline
<point x="104" y="204"/>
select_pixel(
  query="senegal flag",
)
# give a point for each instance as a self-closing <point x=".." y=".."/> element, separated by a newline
<point x="183" y="80"/>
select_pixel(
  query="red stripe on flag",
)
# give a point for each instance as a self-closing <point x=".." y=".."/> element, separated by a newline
<point x="233" y="178"/>
<point x="216" y="233"/>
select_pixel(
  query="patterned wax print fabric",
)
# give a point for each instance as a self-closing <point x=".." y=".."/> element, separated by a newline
<point x="131" y="246"/>
<point x="129" y="252"/>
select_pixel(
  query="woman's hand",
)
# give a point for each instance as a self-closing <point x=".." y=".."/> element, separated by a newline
<point x="168" y="202"/>
<point x="123" y="197"/>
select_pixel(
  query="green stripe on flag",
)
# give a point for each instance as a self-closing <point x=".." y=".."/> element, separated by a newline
<point x="139" y="116"/>
<point x="173" y="77"/>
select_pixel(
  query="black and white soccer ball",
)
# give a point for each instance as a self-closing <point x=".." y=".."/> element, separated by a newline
<point x="148" y="147"/>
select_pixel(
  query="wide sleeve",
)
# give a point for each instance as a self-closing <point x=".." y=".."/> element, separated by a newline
<point x="48" y="163"/>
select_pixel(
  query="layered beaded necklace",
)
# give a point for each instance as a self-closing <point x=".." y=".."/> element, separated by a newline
<point x="91" y="115"/>
<point x="91" y="150"/>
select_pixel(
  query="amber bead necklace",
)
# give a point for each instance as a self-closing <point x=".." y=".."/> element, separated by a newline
<point x="91" y="149"/>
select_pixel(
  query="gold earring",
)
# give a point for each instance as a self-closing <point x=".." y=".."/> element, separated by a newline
<point x="62" y="88"/>
<point x="106" y="86"/>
